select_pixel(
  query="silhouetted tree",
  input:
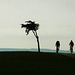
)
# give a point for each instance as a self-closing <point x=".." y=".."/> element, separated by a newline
<point x="32" y="26"/>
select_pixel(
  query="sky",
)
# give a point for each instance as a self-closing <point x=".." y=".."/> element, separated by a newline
<point x="55" y="17"/>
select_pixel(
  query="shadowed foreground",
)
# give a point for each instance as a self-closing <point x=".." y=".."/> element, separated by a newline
<point x="33" y="63"/>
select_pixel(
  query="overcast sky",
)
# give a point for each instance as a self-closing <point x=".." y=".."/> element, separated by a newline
<point x="56" y="19"/>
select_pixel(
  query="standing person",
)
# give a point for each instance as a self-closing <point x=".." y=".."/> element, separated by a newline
<point x="71" y="46"/>
<point x="57" y="46"/>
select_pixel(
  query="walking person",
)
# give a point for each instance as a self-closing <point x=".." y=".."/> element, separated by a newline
<point x="71" y="46"/>
<point x="57" y="46"/>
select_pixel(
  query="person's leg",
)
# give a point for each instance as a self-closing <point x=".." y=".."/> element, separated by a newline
<point x="57" y="49"/>
<point x="71" y="49"/>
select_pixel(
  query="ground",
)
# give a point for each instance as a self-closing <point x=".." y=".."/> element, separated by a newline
<point x="34" y="63"/>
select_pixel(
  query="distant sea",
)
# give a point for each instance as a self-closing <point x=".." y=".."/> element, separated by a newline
<point x="32" y="50"/>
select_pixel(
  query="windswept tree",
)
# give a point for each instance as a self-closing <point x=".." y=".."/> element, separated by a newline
<point x="32" y="26"/>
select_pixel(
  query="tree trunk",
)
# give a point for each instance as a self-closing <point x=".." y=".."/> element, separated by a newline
<point x="35" y="34"/>
<point x="38" y="44"/>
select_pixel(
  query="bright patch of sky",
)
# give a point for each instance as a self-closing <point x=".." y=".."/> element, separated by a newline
<point x="56" y="19"/>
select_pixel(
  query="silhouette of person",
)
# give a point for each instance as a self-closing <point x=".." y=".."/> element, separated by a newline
<point x="71" y="46"/>
<point x="57" y="46"/>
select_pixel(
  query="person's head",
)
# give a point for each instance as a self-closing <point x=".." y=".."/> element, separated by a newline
<point x="57" y="41"/>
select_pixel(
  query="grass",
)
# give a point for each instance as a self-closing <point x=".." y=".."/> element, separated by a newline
<point x="34" y="63"/>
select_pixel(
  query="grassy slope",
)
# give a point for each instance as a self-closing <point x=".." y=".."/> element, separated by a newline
<point x="33" y="63"/>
